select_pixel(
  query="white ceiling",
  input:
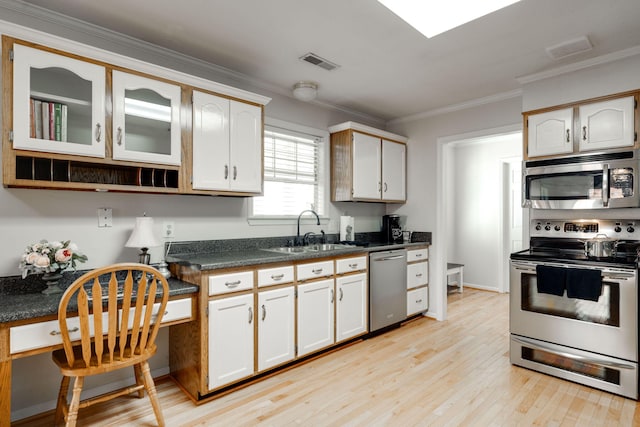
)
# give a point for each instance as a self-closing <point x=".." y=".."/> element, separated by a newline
<point x="387" y="69"/>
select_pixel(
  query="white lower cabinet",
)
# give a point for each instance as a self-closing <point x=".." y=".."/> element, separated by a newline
<point x="417" y="300"/>
<point x="230" y="339"/>
<point x="315" y="318"/>
<point x="276" y="327"/>
<point x="351" y="306"/>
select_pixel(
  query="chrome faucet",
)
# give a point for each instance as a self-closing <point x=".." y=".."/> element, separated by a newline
<point x="299" y="241"/>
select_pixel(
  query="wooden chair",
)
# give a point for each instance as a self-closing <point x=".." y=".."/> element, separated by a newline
<point x="116" y="330"/>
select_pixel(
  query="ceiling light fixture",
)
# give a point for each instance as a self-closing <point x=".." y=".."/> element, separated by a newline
<point x="305" y="91"/>
<point x="432" y="17"/>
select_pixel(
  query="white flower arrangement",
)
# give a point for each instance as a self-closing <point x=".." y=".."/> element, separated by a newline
<point x="50" y="257"/>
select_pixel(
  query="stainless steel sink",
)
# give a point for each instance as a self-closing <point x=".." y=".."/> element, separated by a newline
<point x="310" y="248"/>
<point x="286" y="249"/>
<point x="326" y="247"/>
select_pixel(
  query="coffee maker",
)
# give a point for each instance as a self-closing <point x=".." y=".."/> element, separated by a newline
<point x="391" y="230"/>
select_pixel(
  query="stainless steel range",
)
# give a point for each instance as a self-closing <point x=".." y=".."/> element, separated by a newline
<point x="573" y="315"/>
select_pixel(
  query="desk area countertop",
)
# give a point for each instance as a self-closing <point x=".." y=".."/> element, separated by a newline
<point x="21" y="299"/>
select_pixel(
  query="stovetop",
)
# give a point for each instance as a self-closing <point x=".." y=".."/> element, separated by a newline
<point x="562" y="241"/>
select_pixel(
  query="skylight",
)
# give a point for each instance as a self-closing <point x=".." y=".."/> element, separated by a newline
<point x="433" y="17"/>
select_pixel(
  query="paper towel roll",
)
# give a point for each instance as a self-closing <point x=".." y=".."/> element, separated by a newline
<point x="347" y="232"/>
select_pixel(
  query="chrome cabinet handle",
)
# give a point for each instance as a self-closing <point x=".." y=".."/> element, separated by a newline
<point x="316" y="270"/>
<point x="250" y="315"/>
<point x="98" y="132"/>
<point x="419" y="255"/>
<point x="418" y="274"/>
<point x="332" y="296"/>
<point x="341" y="294"/>
<point x="353" y="265"/>
<point x="235" y="173"/>
<point x="226" y="171"/>
<point x="54" y="333"/>
<point x="568" y="135"/>
<point x="385" y="187"/>
<point x="264" y="312"/>
<point x="119" y="135"/>
<point x="584" y="133"/>
<point x="277" y="276"/>
<point x="232" y="284"/>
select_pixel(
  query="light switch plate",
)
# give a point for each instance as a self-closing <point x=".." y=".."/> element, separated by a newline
<point x="105" y="217"/>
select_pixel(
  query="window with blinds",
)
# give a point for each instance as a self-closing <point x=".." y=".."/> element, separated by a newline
<point x="292" y="174"/>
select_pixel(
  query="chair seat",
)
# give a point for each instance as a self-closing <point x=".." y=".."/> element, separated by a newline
<point x="79" y="369"/>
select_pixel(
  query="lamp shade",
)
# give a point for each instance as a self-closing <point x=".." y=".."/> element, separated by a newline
<point x="143" y="235"/>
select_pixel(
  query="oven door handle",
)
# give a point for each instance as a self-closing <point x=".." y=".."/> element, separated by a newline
<point x="592" y="360"/>
<point x="605" y="185"/>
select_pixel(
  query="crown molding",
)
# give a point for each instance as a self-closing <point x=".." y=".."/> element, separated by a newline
<point x="459" y="107"/>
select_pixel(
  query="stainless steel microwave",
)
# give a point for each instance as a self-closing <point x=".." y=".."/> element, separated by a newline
<point x="593" y="181"/>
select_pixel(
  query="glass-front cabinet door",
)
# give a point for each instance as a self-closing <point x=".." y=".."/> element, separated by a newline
<point x="146" y="120"/>
<point x="58" y="103"/>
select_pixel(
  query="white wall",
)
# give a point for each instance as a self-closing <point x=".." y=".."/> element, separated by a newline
<point x="477" y="196"/>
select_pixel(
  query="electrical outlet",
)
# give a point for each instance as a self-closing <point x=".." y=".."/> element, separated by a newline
<point x="168" y="229"/>
<point x="105" y="217"/>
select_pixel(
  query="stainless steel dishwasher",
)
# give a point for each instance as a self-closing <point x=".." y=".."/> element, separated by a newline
<point x="387" y="288"/>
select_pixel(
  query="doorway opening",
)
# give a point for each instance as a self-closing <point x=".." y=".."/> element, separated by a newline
<point x="478" y="207"/>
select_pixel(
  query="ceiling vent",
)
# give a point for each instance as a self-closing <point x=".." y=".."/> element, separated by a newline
<point x="314" y="59"/>
<point x="570" y="47"/>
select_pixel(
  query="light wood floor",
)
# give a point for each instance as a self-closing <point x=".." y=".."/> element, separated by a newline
<point x="428" y="373"/>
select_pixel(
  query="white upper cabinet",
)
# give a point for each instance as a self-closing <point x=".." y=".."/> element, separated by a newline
<point x="59" y="103"/>
<point x="394" y="171"/>
<point x="227" y="144"/>
<point x="607" y="124"/>
<point x="582" y="128"/>
<point x="367" y="175"/>
<point x="146" y="120"/>
<point x="367" y="164"/>
<point x="550" y="133"/>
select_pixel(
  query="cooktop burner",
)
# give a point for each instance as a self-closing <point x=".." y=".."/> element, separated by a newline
<point x="563" y="241"/>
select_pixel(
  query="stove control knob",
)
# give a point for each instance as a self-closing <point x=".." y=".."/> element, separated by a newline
<point x="557" y="228"/>
<point x="617" y="229"/>
<point x="630" y="229"/>
<point x="538" y="227"/>
<point x="547" y="227"/>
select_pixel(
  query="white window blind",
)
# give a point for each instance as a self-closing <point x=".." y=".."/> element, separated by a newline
<point x="292" y="174"/>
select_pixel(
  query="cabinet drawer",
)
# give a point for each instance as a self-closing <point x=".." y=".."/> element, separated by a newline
<point x="417" y="274"/>
<point x="176" y="310"/>
<point x="417" y="255"/>
<point x="417" y="300"/>
<point x="225" y="283"/>
<point x="275" y="276"/>
<point x="348" y="265"/>
<point x="315" y="269"/>
<point x="45" y="334"/>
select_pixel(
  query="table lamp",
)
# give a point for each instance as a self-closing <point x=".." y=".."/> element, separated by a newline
<point x="143" y="237"/>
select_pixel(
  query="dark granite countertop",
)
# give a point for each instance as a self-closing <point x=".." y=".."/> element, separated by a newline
<point x="21" y="299"/>
<point x="213" y="255"/>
